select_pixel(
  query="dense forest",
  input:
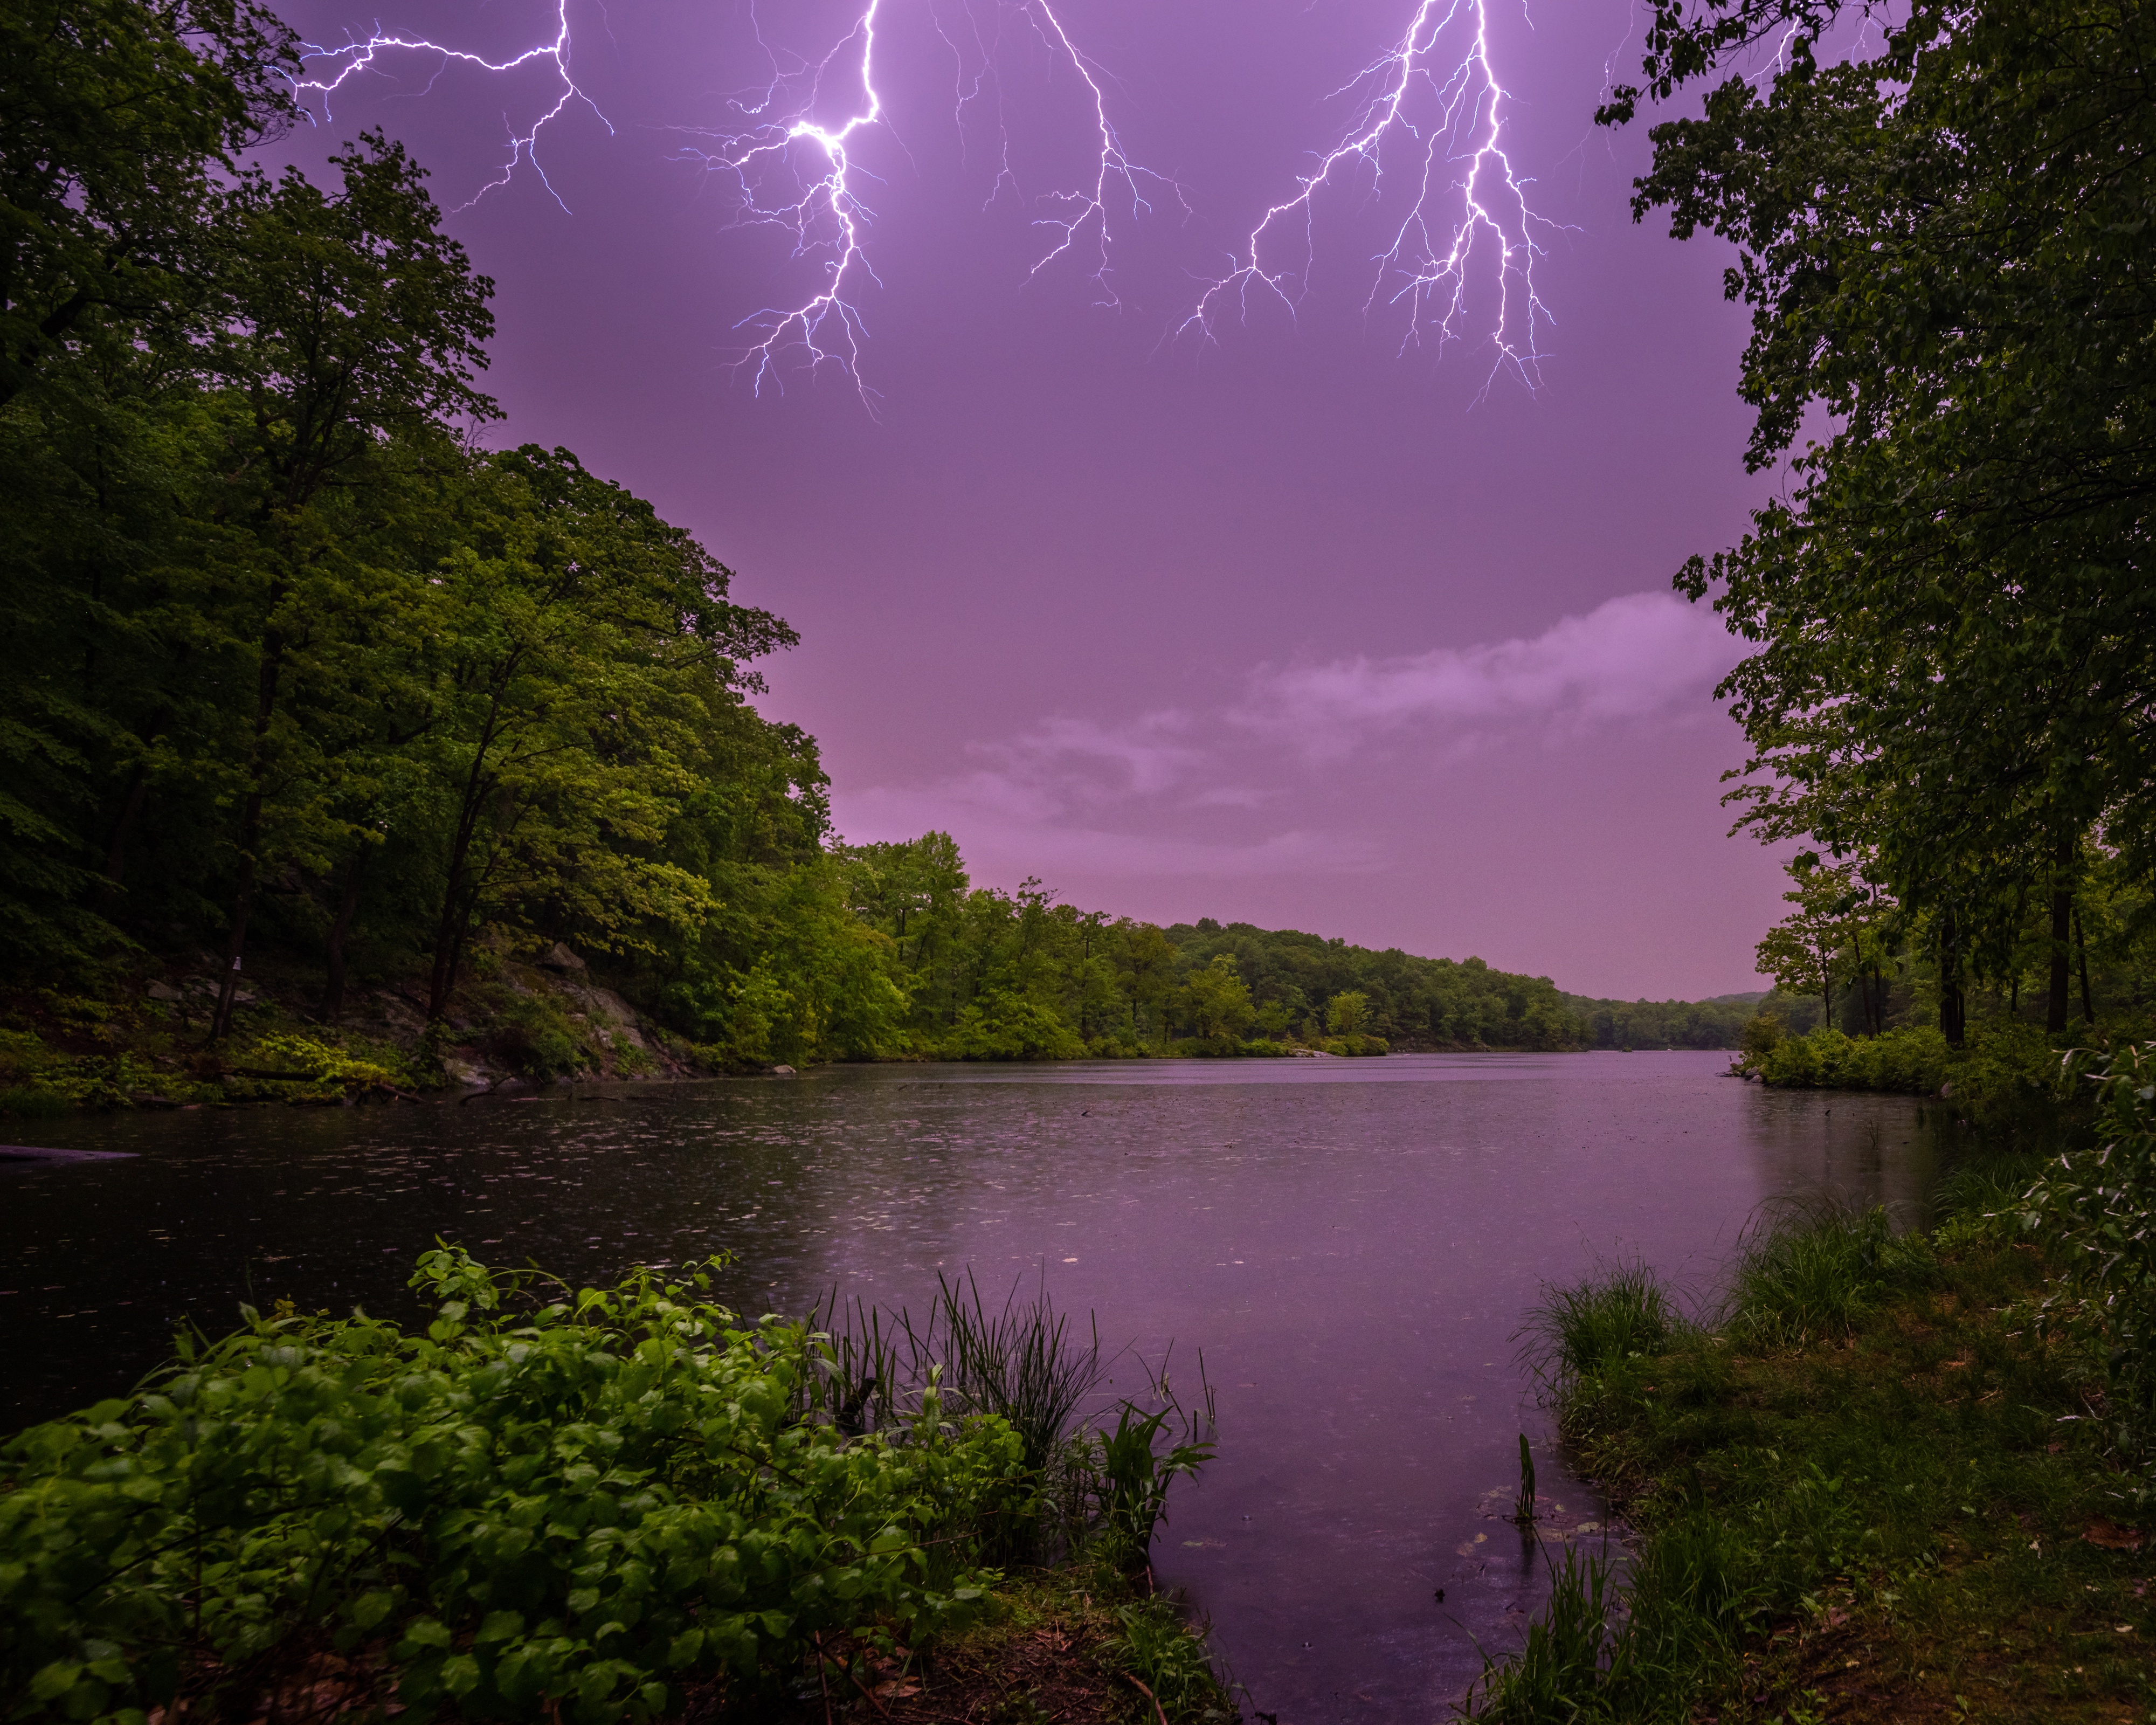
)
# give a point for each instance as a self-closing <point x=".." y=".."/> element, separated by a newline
<point x="1947" y="603"/>
<point x="319" y="711"/>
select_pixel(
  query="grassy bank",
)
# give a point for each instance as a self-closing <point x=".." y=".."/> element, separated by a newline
<point x="602" y="1505"/>
<point x="1887" y="1479"/>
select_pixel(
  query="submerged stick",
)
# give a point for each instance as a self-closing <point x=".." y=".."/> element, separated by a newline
<point x="1146" y="1693"/>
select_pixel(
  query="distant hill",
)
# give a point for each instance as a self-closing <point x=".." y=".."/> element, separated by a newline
<point x="1714" y="1022"/>
<point x="1430" y="1004"/>
<point x="1414" y="1003"/>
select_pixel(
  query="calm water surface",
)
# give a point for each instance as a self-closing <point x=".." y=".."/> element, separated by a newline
<point x="1352" y="1244"/>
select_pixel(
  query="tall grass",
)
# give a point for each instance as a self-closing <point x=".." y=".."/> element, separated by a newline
<point x="1097" y="1473"/>
<point x="1021" y="1362"/>
<point x="1623" y="1311"/>
<point x="1811" y="1273"/>
<point x="1562" y="1673"/>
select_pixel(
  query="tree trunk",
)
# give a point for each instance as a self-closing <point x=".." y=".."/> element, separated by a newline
<point x="130" y="809"/>
<point x="456" y="909"/>
<point x="235" y="941"/>
<point x="2081" y="941"/>
<point x="250" y="833"/>
<point x="347" y="907"/>
<point x="2062" y="910"/>
<point x="443" y="977"/>
<point x="1954" y="1008"/>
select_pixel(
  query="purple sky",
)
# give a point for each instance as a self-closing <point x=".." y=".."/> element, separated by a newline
<point x="1296" y="627"/>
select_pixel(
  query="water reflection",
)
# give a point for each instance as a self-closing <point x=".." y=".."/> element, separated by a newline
<point x="1350" y="1243"/>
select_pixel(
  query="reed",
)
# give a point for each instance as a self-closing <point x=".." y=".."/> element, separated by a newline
<point x="1021" y="1362"/>
<point x="1562" y="1674"/>
<point x="1094" y="1474"/>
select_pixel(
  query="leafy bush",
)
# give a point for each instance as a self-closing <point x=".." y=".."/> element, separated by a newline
<point x="1763" y="1034"/>
<point x="2007" y="1082"/>
<point x="534" y="1038"/>
<point x="2099" y="1207"/>
<point x="556" y="1509"/>
<point x="1162" y="1653"/>
<point x="1912" y="1060"/>
<point x="1001" y="1025"/>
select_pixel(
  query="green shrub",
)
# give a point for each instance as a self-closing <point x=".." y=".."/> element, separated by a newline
<point x="558" y="1510"/>
<point x="1163" y="1654"/>
<point x="1912" y="1060"/>
<point x="2007" y="1082"/>
<point x="1000" y="1025"/>
<point x="30" y="1102"/>
<point x="332" y="1071"/>
<point x="1763" y="1034"/>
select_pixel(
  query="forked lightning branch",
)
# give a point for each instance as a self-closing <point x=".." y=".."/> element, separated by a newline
<point x="1457" y="264"/>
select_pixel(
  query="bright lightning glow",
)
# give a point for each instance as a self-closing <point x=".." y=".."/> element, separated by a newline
<point x="1436" y="96"/>
<point x="355" y="57"/>
<point x="826" y="214"/>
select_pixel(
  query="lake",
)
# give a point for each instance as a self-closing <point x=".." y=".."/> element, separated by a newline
<point x="1352" y="1244"/>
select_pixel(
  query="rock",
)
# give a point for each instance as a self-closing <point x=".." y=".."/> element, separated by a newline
<point x="560" y="959"/>
<point x="613" y="1013"/>
<point x="783" y="1072"/>
<point x="163" y="991"/>
<point x="466" y="1073"/>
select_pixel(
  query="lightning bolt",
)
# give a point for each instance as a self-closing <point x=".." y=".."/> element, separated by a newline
<point x="793" y="158"/>
<point x="1436" y="96"/>
<point x="355" y="56"/>
<point x="826" y="214"/>
<point x="822" y="205"/>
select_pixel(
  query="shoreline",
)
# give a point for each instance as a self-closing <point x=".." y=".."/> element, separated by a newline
<point x="525" y="1031"/>
<point x="1875" y="1486"/>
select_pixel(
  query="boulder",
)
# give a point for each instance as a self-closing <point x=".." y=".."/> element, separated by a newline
<point x="467" y="1074"/>
<point x="561" y="960"/>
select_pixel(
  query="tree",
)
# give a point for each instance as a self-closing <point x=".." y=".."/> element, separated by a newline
<point x="1824" y="938"/>
<point x="1215" y="1001"/>
<point x="120" y="119"/>
<point x="1945" y="247"/>
<point x="1348" y="1011"/>
<point x="351" y="320"/>
<point x="584" y="643"/>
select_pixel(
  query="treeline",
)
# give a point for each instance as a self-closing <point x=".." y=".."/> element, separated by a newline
<point x="1718" y="1022"/>
<point x="992" y="974"/>
<point x="1943" y="239"/>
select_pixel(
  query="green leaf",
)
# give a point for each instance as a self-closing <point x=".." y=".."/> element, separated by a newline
<point x="499" y="1627"/>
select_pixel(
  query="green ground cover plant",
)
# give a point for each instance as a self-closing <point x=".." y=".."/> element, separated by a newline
<point x="575" y="1504"/>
